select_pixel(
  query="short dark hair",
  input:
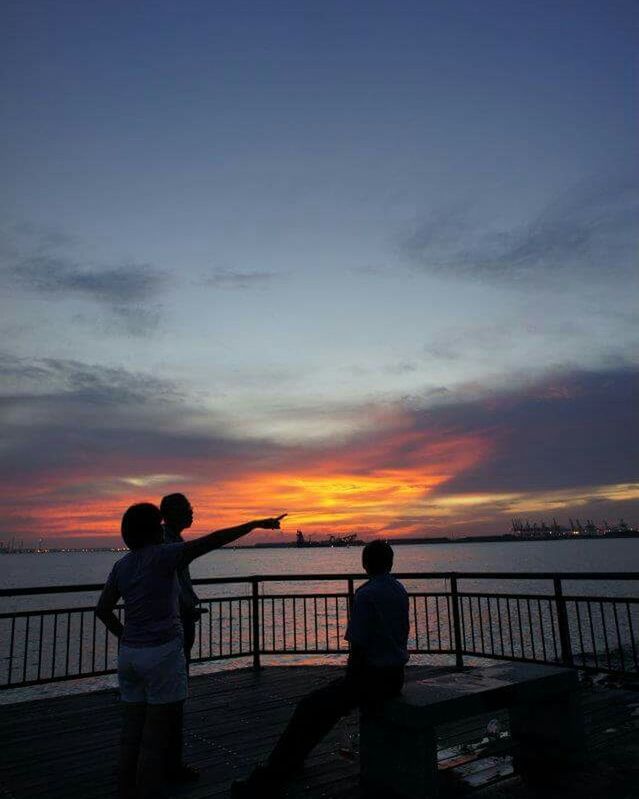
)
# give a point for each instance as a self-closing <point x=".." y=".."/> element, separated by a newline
<point x="142" y="525"/>
<point x="170" y="501"/>
<point x="377" y="557"/>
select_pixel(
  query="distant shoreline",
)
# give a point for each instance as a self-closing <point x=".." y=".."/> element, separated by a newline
<point x="507" y="538"/>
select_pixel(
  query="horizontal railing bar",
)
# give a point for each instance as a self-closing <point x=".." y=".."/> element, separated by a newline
<point x="486" y="595"/>
<point x="225" y="656"/>
<point x="61" y="678"/>
<point x="239" y="598"/>
<point x="495" y="656"/>
<point x="266" y="578"/>
<point x="90" y="587"/>
<point x="19" y="614"/>
<point x="53" y="589"/>
<point x="432" y="576"/>
<point x="581" y="598"/>
<point x="632" y="600"/>
<point x="304" y="596"/>
<point x="309" y="651"/>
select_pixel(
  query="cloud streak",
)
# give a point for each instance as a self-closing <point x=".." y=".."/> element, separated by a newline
<point x="590" y="230"/>
<point x="82" y="442"/>
<point x="115" y="286"/>
<point x="38" y="261"/>
<point x="239" y="281"/>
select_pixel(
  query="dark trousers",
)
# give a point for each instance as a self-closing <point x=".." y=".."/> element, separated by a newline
<point x="175" y="751"/>
<point x="318" y="712"/>
<point x="145" y="748"/>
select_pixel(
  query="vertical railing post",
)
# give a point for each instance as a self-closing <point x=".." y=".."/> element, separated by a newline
<point x="350" y="601"/>
<point x="351" y="595"/>
<point x="562" y="622"/>
<point x="459" y="659"/>
<point x="255" y="605"/>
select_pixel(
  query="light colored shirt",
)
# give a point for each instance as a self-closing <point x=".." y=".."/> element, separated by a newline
<point x="378" y="626"/>
<point x="147" y="581"/>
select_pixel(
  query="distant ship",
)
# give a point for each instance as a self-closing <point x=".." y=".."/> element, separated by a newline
<point x="350" y="540"/>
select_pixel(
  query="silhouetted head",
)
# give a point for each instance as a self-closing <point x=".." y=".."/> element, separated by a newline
<point x="177" y="512"/>
<point x="142" y="525"/>
<point x="377" y="558"/>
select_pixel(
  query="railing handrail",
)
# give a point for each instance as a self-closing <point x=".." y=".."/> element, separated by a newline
<point x="504" y="621"/>
<point x="266" y="578"/>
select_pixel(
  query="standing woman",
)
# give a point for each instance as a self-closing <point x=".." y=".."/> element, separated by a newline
<point x="151" y="664"/>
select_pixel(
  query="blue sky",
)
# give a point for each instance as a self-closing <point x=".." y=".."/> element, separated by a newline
<point x="296" y="223"/>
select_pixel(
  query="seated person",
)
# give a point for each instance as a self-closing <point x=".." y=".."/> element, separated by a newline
<point x="378" y="635"/>
<point x="151" y="664"/>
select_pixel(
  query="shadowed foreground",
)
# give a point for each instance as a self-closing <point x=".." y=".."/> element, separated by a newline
<point x="67" y="747"/>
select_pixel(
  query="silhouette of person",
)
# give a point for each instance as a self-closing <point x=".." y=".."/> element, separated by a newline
<point x="378" y="636"/>
<point x="152" y="670"/>
<point x="177" y="514"/>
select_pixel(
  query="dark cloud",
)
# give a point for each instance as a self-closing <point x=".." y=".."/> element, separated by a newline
<point x="590" y="230"/>
<point x="116" y="286"/>
<point x="61" y="415"/>
<point x="572" y="429"/>
<point x="38" y="260"/>
<point x="54" y="377"/>
<point x="238" y="281"/>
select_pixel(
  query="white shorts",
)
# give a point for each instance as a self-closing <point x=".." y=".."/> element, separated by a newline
<point x="153" y="674"/>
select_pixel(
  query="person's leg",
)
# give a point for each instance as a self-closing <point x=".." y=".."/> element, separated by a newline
<point x="315" y="715"/>
<point x="133" y="716"/>
<point x="133" y="696"/>
<point x="312" y="719"/>
<point x="166" y="687"/>
<point x="177" y="770"/>
<point x="154" y="746"/>
<point x="176" y="738"/>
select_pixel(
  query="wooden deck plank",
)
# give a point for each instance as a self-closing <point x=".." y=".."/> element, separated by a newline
<point x="67" y="746"/>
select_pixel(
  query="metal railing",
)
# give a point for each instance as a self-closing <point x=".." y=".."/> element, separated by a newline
<point x="248" y="619"/>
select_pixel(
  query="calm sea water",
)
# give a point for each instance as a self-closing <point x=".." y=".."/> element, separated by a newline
<point x="573" y="556"/>
<point x="615" y="555"/>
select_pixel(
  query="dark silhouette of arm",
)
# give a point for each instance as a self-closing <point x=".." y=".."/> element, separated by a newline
<point x="207" y="543"/>
<point x="105" y="607"/>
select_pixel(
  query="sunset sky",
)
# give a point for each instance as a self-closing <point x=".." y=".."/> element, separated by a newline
<point x="370" y="263"/>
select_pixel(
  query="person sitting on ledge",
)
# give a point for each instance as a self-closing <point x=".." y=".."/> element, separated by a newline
<point x="378" y="636"/>
<point x="152" y="670"/>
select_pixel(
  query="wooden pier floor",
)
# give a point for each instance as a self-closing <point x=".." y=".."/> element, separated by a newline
<point x="67" y="746"/>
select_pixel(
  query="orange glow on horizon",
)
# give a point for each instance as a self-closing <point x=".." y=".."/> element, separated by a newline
<point x="394" y="485"/>
<point x="324" y="492"/>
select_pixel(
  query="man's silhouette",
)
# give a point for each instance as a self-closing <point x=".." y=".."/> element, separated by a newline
<point x="378" y="635"/>
<point x="177" y="515"/>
